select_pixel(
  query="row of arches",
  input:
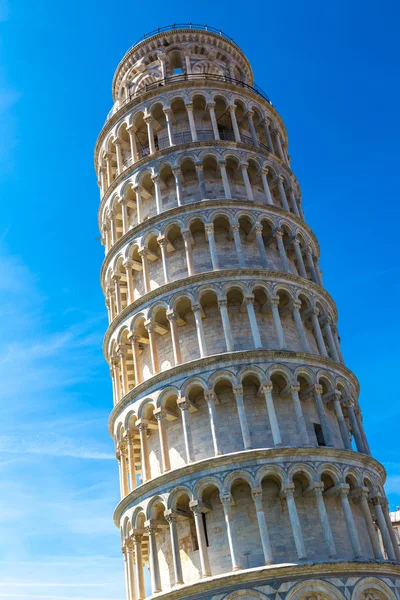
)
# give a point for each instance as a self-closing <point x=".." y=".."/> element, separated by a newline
<point x="228" y="414"/>
<point x="210" y="175"/>
<point x="186" y="53"/>
<point x="216" y="319"/>
<point x="186" y="117"/>
<point x="240" y="520"/>
<point x="154" y="261"/>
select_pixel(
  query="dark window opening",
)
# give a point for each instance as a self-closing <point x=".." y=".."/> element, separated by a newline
<point x="319" y="434"/>
<point x="203" y="516"/>
<point x="193" y="534"/>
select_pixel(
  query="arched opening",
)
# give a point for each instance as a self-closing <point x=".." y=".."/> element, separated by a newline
<point x="201" y="251"/>
<point x="229" y="431"/>
<point x="239" y="319"/>
<point x="190" y="183"/>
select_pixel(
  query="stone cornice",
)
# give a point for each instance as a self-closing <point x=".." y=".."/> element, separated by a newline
<point x="198" y="83"/>
<point x="195" y="206"/>
<point x="243" y="357"/>
<point x="202" y="589"/>
<point x="207" y="276"/>
<point x="245" y="456"/>
<point x="147" y="160"/>
<point x="161" y="36"/>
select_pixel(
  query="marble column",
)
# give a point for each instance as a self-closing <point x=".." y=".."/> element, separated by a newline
<point x="132" y="142"/>
<point x="362" y="495"/>
<point x="137" y="363"/>
<point x="326" y="430"/>
<point x="179" y="194"/>
<point x="301" y="424"/>
<point x="238" y="245"/>
<point x="252" y="129"/>
<point x="278" y="235"/>
<point x="261" y="248"/>
<point x="168" y="119"/>
<point x="349" y="404"/>
<point x="223" y="308"/>
<point x="232" y="110"/>
<point x="127" y="264"/>
<point x="196" y="308"/>
<point x="387" y="542"/>
<point x="210" y="399"/>
<point x="187" y="240"/>
<point x="262" y="526"/>
<point x="238" y="393"/>
<point x="160" y="416"/>
<point x="226" y="503"/>
<point x="342" y="423"/>
<point x="293" y="202"/>
<point x="296" y="305"/>
<point x="140" y="582"/>
<point x="172" y="318"/>
<point x="225" y="180"/>
<point x="249" y="300"/>
<point x="143" y="252"/>
<point x="213" y="248"/>
<point x="149" y="122"/>
<point x="268" y="136"/>
<point x="201" y="537"/>
<point x="187" y="430"/>
<point x="274" y="304"/>
<point x="157" y="189"/>
<point x="211" y="109"/>
<point x="267" y="191"/>
<point x="144" y="449"/>
<point x="153" y="347"/>
<point x="273" y="420"/>
<point x="329" y="336"/>
<point x="246" y="180"/>
<point x="314" y="313"/>
<point x="288" y="493"/>
<point x="299" y="258"/>
<point x="323" y="518"/>
<point x="202" y="185"/>
<point x="163" y="243"/>
<point x="176" y="559"/>
<point x="153" y="558"/>
<point x="138" y="191"/>
<point x="282" y="193"/>
<point x="192" y="124"/>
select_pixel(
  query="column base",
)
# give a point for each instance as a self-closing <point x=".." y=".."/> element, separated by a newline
<point x="236" y="569"/>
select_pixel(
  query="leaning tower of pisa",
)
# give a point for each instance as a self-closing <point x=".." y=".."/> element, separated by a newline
<point x="245" y="470"/>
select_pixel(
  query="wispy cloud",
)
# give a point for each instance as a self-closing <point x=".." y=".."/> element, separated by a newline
<point x="54" y="445"/>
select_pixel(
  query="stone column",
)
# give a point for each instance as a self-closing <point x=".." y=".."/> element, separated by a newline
<point x="323" y="518"/>
<point x="342" y="423"/>
<point x="238" y="393"/>
<point x="337" y="342"/>
<point x="387" y="542"/>
<point x="326" y="431"/>
<point x="153" y="346"/>
<point x="202" y="185"/>
<point x="136" y="358"/>
<point x="362" y="495"/>
<point x="385" y="509"/>
<point x="299" y="258"/>
<point x="123" y="470"/>
<point x="203" y="551"/>
<point x="362" y="431"/>
<point x="213" y="248"/>
<point x="279" y="145"/>
<point x="113" y="227"/>
<point x="130" y="440"/>
<point x="293" y="202"/>
<point x="268" y="136"/>
<point x="278" y="235"/>
<point x="140" y="584"/>
<point x="294" y="391"/>
<point x="273" y="420"/>
<point x="310" y="264"/>
<point x="262" y="525"/>
<point x="109" y="169"/>
<point x="238" y="245"/>
<point x="210" y="399"/>
<point x="246" y="180"/>
<point x="314" y="312"/>
<point x="222" y="305"/>
<point x="131" y="570"/>
<point x="225" y="180"/>
<point x="144" y="449"/>
<point x="118" y="150"/>
<point x="167" y="113"/>
<point x="296" y="305"/>
<point x="211" y="107"/>
<point x="116" y="279"/>
<point x="192" y="124"/>
<point x="121" y="352"/>
<point x="267" y="191"/>
<point x="160" y="416"/>
<point x="349" y="519"/>
<point x="261" y="248"/>
<point x="288" y="493"/>
<point x="153" y="558"/>
<point x="149" y="122"/>
<point x="329" y="336"/>
<point x="226" y="503"/>
<point x="103" y="180"/>
<point x="199" y="329"/>
<point x="252" y="129"/>
<point x="138" y="191"/>
<point x="274" y="303"/>
<point x="249" y="300"/>
<point x="117" y="380"/>
<point x="156" y="180"/>
<point x="282" y="193"/>
<point x="187" y="240"/>
<point x="176" y="559"/>
<point x="232" y="110"/>
<point x="349" y="404"/>
<point x="127" y="264"/>
<point x="127" y="574"/>
<point x="163" y="242"/>
<point x="124" y="210"/>
<point x="172" y="317"/>
<point x="179" y="194"/>
<point x="146" y="272"/>
<point x="187" y="430"/>
<point x="132" y="141"/>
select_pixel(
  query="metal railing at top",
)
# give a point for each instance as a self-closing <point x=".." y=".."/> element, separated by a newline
<point x="182" y="77"/>
<point x="175" y="26"/>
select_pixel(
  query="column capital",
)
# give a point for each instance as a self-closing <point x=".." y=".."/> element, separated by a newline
<point x="288" y="490"/>
<point x="296" y="305"/>
<point x="250" y="113"/>
<point x="265" y="171"/>
<point x="171" y="315"/>
<point x="150" y="326"/>
<point x="183" y="403"/>
<point x="294" y="387"/>
<point x="249" y="300"/>
<point x="131" y="129"/>
<point x="137" y="537"/>
<point x="150" y="526"/>
<point x="209" y="227"/>
<point x="267" y="386"/>
<point x="376" y="499"/>
<point x="160" y="414"/>
<point x="257" y="495"/>
<point x="155" y="178"/>
<point x="196" y="306"/>
<point x="117" y="142"/>
<point x="258" y="228"/>
<point x="226" y="501"/>
<point x="116" y="277"/>
<point x="198" y="166"/>
<point x="148" y="119"/>
<point x="235" y="227"/>
<point x="142" y="425"/>
<point x="243" y="164"/>
<point x="143" y="252"/>
<point x="344" y="490"/>
<point x="237" y="390"/>
<point x="274" y="301"/>
<point x="232" y="108"/>
<point x="222" y="163"/>
<point x="278" y="233"/>
<point x="189" y="105"/>
<point x="170" y="516"/>
<point x="222" y="302"/>
<point x="210" y="104"/>
<point x="176" y="171"/>
<point x="317" y="387"/>
<point x="209" y="396"/>
<point x="166" y="110"/>
<point x="128" y="263"/>
<point x="162" y="240"/>
<point x="133" y="337"/>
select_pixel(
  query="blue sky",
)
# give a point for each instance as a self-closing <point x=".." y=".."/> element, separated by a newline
<point x="331" y="69"/>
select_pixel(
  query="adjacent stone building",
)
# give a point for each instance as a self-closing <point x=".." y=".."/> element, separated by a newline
<point x="245" y="470"/>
